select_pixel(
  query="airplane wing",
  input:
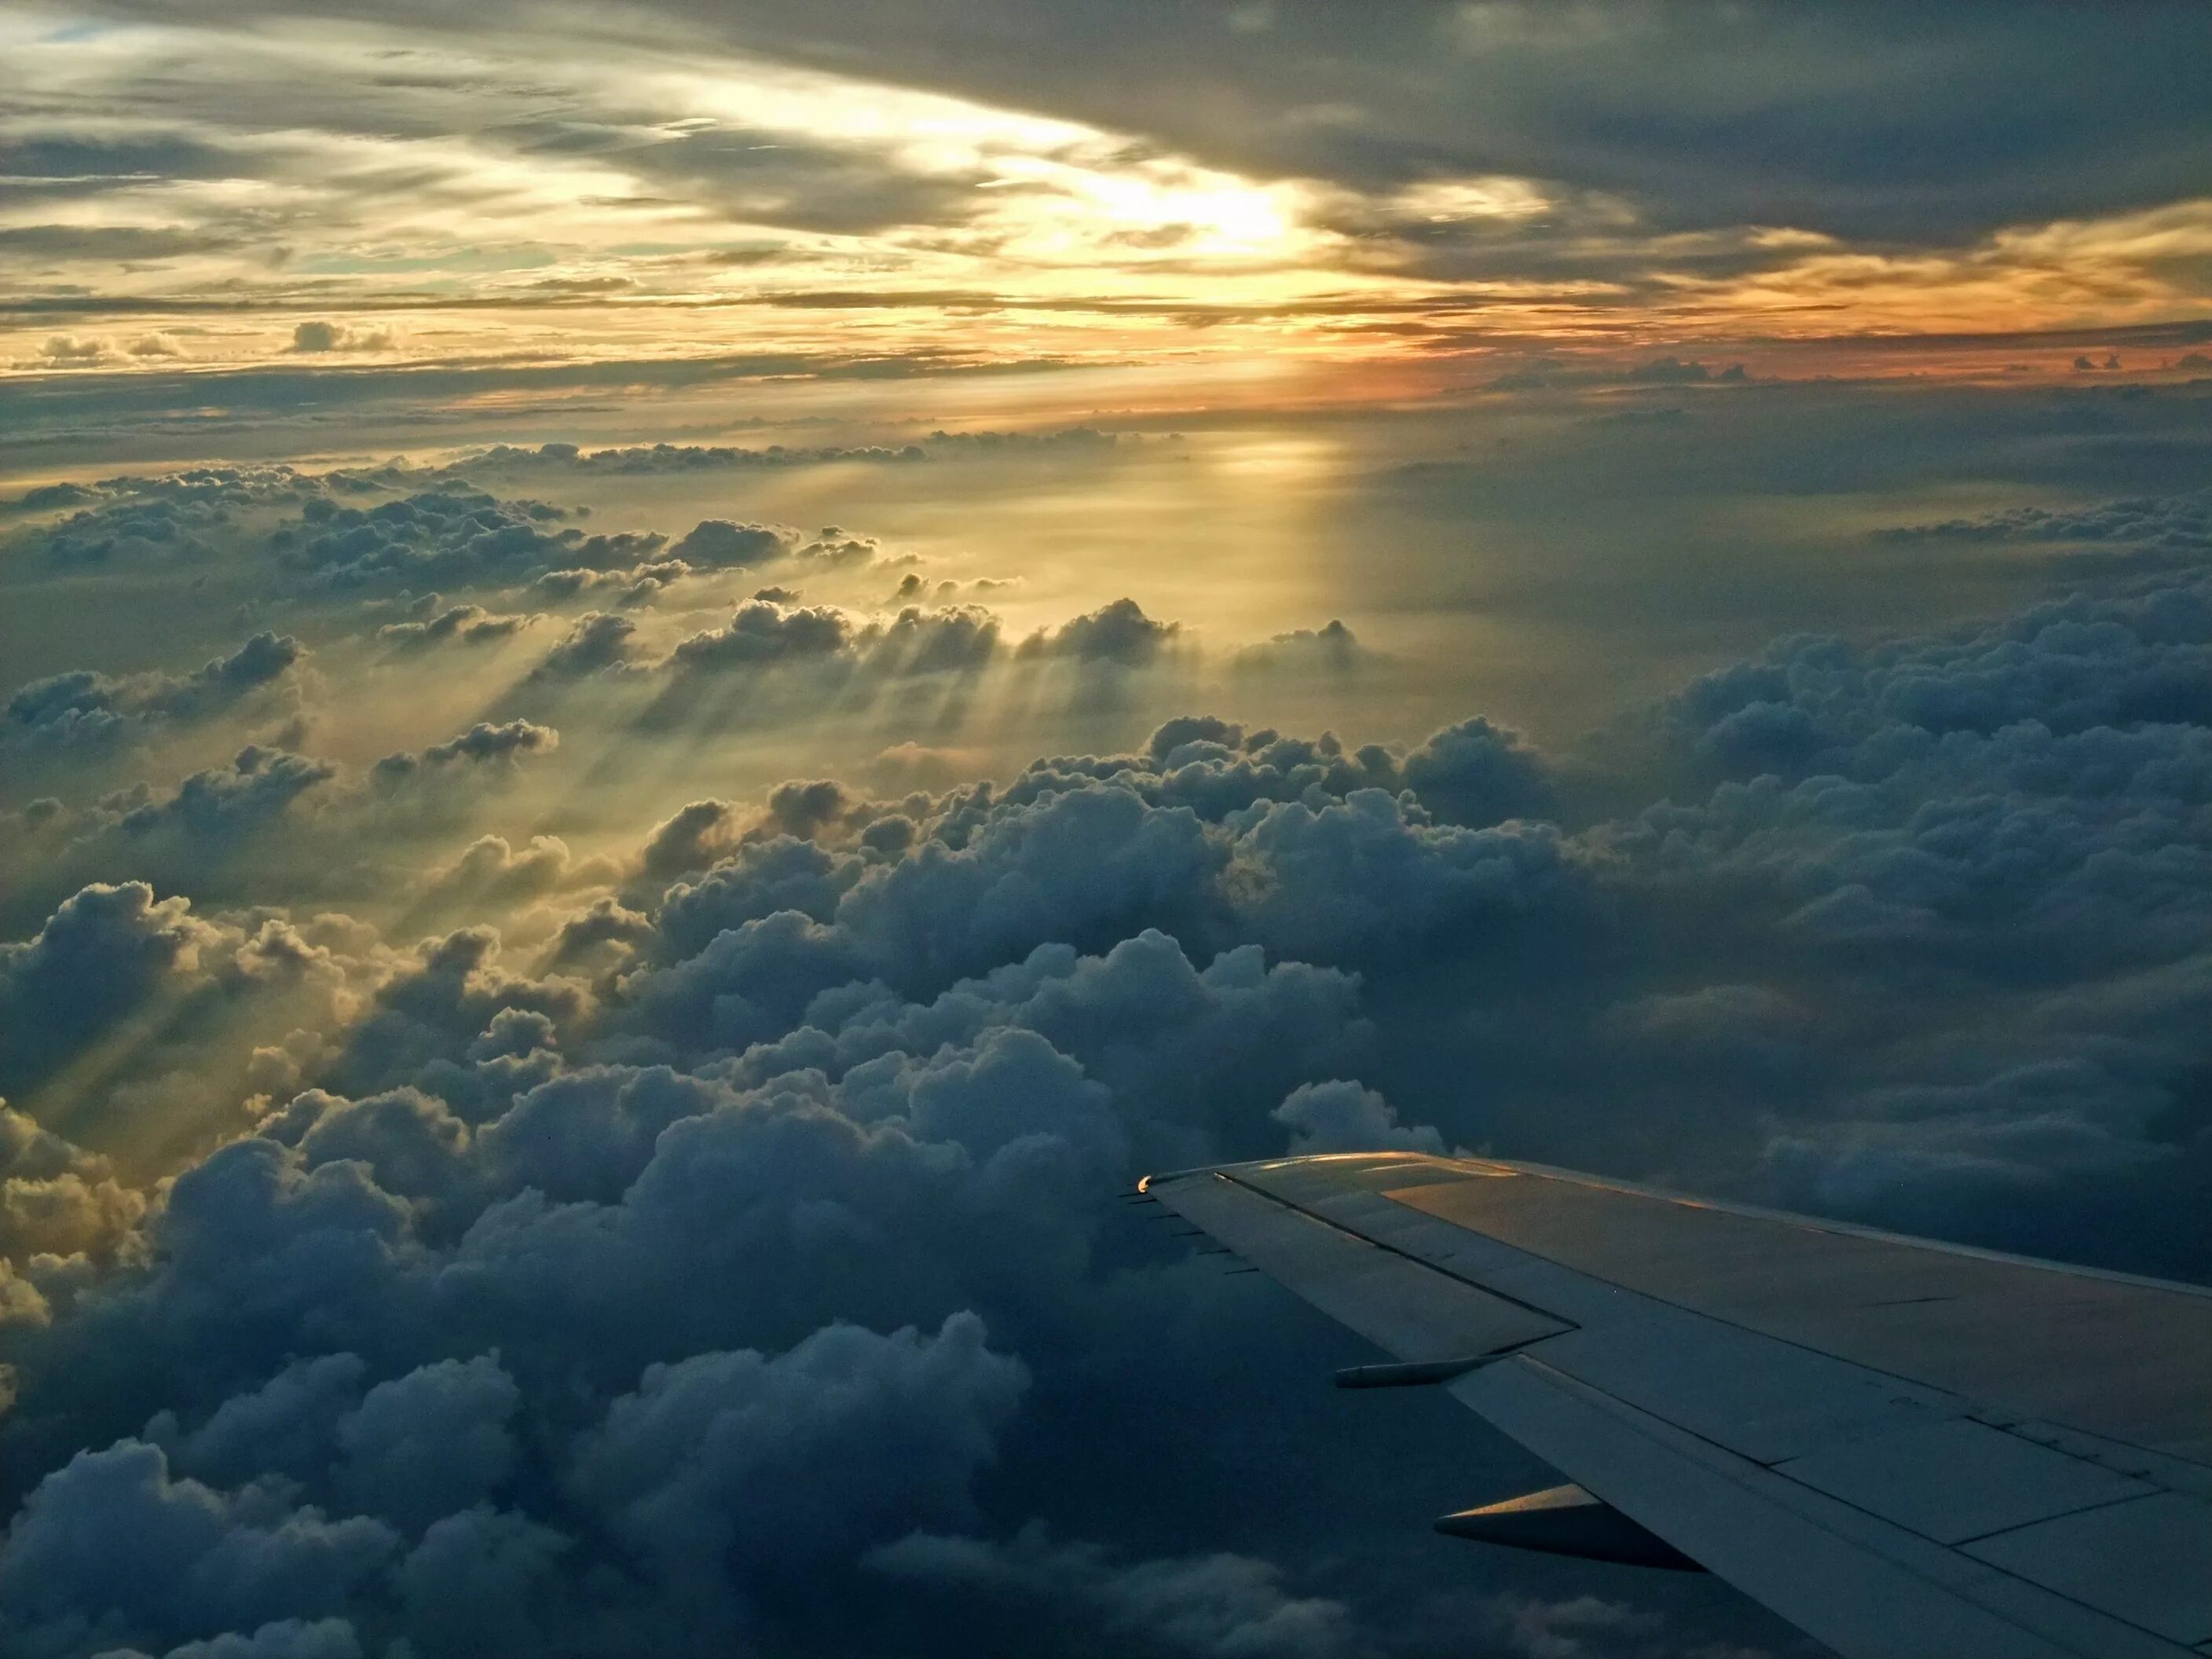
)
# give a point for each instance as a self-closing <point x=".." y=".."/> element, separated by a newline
<point x="1909" y="1451"/>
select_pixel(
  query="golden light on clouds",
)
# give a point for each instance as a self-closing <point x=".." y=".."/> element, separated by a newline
<point x="349" y="193"/>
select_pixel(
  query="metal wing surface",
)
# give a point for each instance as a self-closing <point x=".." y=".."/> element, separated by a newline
<point x="1907" y="1449"/>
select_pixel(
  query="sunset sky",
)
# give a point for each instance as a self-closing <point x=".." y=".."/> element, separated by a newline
<point x="1426" y="190"/>
<point x="677" y="680"/>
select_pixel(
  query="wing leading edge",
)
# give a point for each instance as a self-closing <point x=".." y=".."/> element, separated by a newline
<point x="1907" y="1449"/>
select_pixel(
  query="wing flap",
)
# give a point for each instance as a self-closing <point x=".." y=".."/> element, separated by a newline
<point x="1882" y="1508"/>
<point x="2143" y="1561"/>
<point x="1868" y="1588"/>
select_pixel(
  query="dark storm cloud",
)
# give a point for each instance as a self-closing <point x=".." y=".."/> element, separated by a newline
<point x="481" y="1165"/>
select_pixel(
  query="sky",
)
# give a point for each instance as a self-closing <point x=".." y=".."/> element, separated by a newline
<point x="678" y="680"/>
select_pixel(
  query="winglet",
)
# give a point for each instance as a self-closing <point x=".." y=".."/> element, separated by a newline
<point x="1566" y="1521"/>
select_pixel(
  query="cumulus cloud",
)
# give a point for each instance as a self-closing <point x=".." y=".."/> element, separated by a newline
<point x="104" y="953"/>
<point x="762" y="632"/>
<point x="74" y="352"/>
<point x="202" y="1562"/>
<point x="719" y="544"/>
<point x="612" y="1267"/>
<point x="1333" y="646"/>
<point x="463" y="624"/>
<point x="1222" y="1606"/>
<point x="88" y="707"/>
<point x="57" y="1199"/>
<point x="1343" y="1117"/>
<point x="447" y="535"/>
<point x="1120" y="632"/>
<point x="847" y="1438"/>
<point x="765" y="634"/>
<point x="433" y="1443"/>
<point x="482" y="743"/>
<point x="599" y="641"/>
<point x="319" y="336"/>
<point x="1673" y="371"/>
<point x="636" y="460"/>
<point x="177" y="517"/>
<point x="2177" y="526"/>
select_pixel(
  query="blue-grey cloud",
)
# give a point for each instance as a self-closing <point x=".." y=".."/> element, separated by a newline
<point x="86" y="707"/>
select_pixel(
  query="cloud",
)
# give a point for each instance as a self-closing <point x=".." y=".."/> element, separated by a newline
<point x="175" y="517"/>
<point x="639" y="585"/>
<point x="719" y="544"/>
<point x="2179" y="526"/>
<point x="1333" y="648"/>
<point x="74" y="351"/>
<point x="598" y="642"/>
<point x="1910" y="928"/>
<point x="1668" y="371"/>
<point x="761" y="632"/>
<point x="318" y="337"/>
<point x="847" y="1437"/>
<point x="287" y="1426"/>
<point x="431" y="1443"/>
<point x="482" y="743"/>
<point x="104" y="952"/>
<point x="1343" y="1117"/>
<point x="1222" y="1606"/>
<point x="701" y="833"/>
<point x="1476" y="773"/>
<point x="638" y="461"/>
<point x="447" y="535"/>
<point x="202" y="1562"/>
<point x="88" y="707"/>
<point x="464" y="624"/>
<point x="57" y="1199"/>
<point x="1120" y="632"/>
<point x="767" y="634"/>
